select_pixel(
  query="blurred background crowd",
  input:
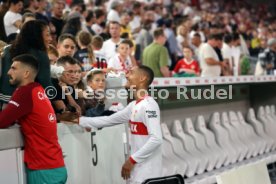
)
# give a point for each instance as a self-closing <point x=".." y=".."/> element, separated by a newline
<point x="176" y="38"/>
<point x="241" y="31"/>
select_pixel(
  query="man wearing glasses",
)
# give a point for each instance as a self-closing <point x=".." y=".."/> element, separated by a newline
<point x="65" y="97"/>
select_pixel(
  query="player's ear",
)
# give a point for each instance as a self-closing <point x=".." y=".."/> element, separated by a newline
<point x="143" y="78"/>
<point x="26" y="74"/>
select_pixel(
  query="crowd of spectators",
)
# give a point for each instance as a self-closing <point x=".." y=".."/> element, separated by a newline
<point x="73" y="39"/>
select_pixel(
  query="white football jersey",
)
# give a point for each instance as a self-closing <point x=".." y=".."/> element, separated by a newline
<point x="101" y="61"/>
<point x="145" y="136"/>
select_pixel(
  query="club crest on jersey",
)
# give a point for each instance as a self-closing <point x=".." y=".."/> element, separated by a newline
<point x="52" y="117"/>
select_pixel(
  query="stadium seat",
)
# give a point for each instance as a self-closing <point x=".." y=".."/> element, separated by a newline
<point x="259" y="129"/>
<point x="200" y="127"/>
<point x="170" y="165"/>
<point x="251" y="135"/>
<point x="201" y="144"/>
<point x="222" y="137"/>
<point x="238" y="146"/>
<point x="268" y="125"/>
<point x="169" y="154"/>
<point x="269" y="115"/>
<point x="174" y="179"/>
<point x="189" y="145"/>
<point x="191" y="162"/>
<point x="273" y="113"/>
<point x="251" y="147"/>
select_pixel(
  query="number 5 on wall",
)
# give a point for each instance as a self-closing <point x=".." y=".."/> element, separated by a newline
<point x="94" y="148"/>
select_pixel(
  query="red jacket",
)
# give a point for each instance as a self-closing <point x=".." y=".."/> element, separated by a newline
<point x="32" y="109"/>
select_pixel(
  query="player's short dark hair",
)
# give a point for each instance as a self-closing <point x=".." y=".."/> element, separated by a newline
<point x="66" y="59"/>
<point x="148" y="72"/>
<point x="28" y="60"/>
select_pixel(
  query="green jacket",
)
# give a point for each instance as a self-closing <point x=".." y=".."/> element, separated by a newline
<point x="43" y="76"/>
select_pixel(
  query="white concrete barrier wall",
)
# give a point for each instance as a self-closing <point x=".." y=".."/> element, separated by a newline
<point x="93" y="157"/>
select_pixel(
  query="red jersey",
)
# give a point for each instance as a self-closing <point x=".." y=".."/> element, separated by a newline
<point x="33" y="110"/>
<point x="185" y="65"/>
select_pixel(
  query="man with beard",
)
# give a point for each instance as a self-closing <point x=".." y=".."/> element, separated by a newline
<point x="31" y="108"/>
<point x="143" y="115"/>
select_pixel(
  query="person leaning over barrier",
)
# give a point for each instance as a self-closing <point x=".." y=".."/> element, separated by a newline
<point x="143" y="116"/>
<point x="31" y="108"/>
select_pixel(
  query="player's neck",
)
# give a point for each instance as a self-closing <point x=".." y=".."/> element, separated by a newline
<point x="140" y="94"/>
<point x="25" y="83"/>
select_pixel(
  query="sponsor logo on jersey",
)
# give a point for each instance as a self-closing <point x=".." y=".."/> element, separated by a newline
<point x="52" y="117"/>
<point x="151" y="114"/>
<point x="138" y="128"/>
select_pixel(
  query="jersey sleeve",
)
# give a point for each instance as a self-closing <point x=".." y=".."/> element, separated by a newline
<point x="105" y="121"/>
<point x="152" y="120"/>
<point x="17" y="107"/>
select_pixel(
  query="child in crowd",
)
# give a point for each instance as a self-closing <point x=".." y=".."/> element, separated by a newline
<point x="52" y="54"/>
<point x="56" y="71"/>
<point x="100" y="58"/>
<point x="27" y="17"/>
<point x="131" y="51"/>
<point x="187" y="67"/>
<point x="66" y="45"/>
<point x="85" y="54"/>
<point x="95" y="88"/>
<point x="121" y="61"/>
